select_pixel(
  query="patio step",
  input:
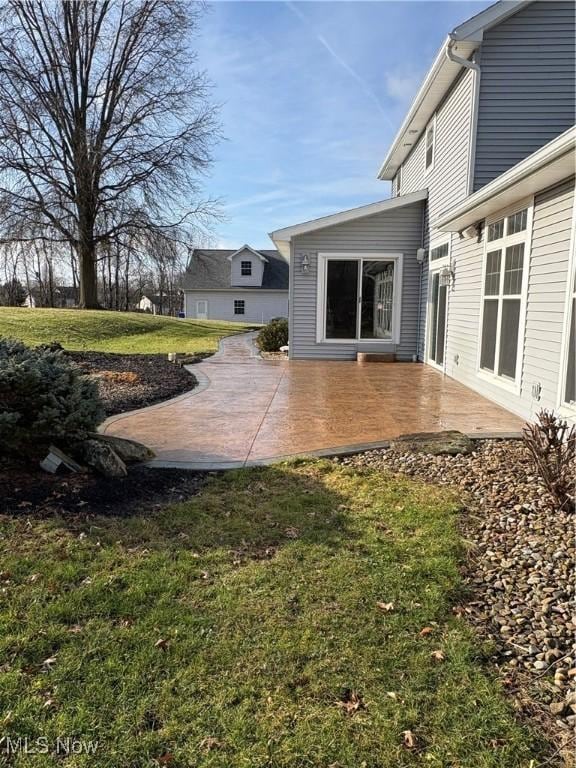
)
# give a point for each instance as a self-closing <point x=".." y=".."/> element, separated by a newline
<point x="375" y="357"/>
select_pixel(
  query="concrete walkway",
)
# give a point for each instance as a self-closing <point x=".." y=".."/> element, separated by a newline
<point x="251" y="411"/>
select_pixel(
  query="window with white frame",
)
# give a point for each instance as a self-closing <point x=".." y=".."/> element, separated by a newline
<point x="246" y="268"/>
<point x="359" y="297"/>
<point x="239" y="306"/>
<point x="505" y="269"/>
<point x="439" y="252"/>
<point x="430" y="141"/>
<point x="569" y="383"/>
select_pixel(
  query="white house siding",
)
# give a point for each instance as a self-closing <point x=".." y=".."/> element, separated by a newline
<point x="527" y="85"/>
<point x="447" y="180"/>
<point x="396" y="231"/>
<point x="260" y="305"/>
<point x="547" y="283"/>
<point x="237" y="278"/>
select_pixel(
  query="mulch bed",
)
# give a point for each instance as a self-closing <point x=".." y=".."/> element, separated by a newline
<point x="128" y="382"/>
<point x="520" y="572"/>
<point x="28" y="492"/>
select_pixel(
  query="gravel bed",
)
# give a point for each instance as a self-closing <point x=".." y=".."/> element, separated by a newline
<point x="520" y="570"/>
<point x="127" y="382"/>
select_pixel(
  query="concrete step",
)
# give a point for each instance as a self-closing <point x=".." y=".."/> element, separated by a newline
<point x="375" y="357"/>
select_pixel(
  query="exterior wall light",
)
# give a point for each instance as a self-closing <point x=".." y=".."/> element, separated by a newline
<point x="305" y="263"/>
<point x="446" y="277"/>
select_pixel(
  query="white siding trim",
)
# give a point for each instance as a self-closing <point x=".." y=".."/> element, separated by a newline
<point x="564" y="408"/>
<point x="437" y="266"/>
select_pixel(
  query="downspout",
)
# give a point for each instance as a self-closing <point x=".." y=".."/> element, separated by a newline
<point x="467" y="64"/>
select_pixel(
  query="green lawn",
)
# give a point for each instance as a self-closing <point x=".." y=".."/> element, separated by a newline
<point x="126" y="332"/>
<point x="230" y="631"/>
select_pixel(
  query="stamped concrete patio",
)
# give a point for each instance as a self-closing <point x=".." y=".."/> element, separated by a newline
<point x="248" y="411"/>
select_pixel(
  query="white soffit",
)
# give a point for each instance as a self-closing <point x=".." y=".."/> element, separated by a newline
<point x="464" y="40"/>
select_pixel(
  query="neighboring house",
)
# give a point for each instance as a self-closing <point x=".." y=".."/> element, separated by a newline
<point x="62" y="297"/>
<point x="160" y="304"/>
<point x="244" y="285"/>
<point x="470" y="266"/>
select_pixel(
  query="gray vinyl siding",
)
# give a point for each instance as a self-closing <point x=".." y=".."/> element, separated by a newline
<point x="396" y="231"/>
<point x="527" y="94"/>
<point x="260" y="306"/>
<point x="545" y="306"/>
<point x="447" y="180"/>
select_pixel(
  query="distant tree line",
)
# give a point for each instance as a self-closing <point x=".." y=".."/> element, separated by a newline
<point x="105" y="131"/>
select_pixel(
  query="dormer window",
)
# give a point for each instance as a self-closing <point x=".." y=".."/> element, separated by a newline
<point x="430" y="138"/>
<point x="246" y="268"/>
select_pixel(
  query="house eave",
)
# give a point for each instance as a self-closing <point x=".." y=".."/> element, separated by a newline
<point x="282" y="237"/>
<point x="464" y="40"/>
<point x="546" y="167"/>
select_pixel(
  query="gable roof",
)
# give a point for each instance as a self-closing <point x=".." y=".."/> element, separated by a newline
<point x="246" y="247"/>
<point x="460" y="44"/>
<point x="209" y="269"/>
<point x="282" y="237"/>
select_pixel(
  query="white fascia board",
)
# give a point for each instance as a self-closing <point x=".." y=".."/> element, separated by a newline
<point x="246" y="247"/>
<point x="282" y="237"/>
<point x="547" y="166"/>
<point x="464" y="40"/>
<point x="474" y="28"/>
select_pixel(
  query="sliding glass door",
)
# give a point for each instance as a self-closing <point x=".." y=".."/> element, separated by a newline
<point x="359" y="299"/>
<point x="438" y="307"/>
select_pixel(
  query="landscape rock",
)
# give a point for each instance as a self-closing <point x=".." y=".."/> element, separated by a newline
<point x="101" y="457"/>
<point x="127" y="450"/>
<point x="520" y="570"/>
<point x="449" y="443"/>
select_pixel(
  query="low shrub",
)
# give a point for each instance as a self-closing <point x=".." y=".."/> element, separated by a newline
<point x="273" y="336"/>
<point x="552" y="445"/>
<point x="43" y="399"/>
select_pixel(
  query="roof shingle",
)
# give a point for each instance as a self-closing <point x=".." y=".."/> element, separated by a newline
<point x="210" y="269"/>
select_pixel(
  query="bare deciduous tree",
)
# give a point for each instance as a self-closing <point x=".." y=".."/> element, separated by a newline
<point x="105" y="125"/>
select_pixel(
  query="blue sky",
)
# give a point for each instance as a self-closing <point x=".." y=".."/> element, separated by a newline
<point x="312" y="94"/>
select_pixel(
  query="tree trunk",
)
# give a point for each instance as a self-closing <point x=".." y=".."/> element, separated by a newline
<point x="88" y="278"/>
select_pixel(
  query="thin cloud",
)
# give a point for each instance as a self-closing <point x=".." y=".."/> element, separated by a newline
<point x="340" y="61"/>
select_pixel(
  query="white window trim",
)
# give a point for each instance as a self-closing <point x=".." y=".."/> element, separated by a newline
<point x="242" y="263"/>
<point x="431" y="122"/>
<point x="436" y="266"/>
<point x="234" y="302"/>
<point x="323" y="259"/>
<point x="566" y="409"/>
<point x="525" y="237"/>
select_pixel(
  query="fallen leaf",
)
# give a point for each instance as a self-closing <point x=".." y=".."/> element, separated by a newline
<point x="438" y="655"/>
<point x="386" y="607"/>
<point x="161" y="643"/>
<point x="408" y="739"/>
<point x="166" y="759"/>
<point x="49" y="703"/>
<point x="392" y="694"/>
<point x="75" y="629"/>
<point x="426" y="631"/>
<point x="350" y="702"/>
<point x="49" y="663"/>
<point x="292" y="533"/>
<point x="210" y="743"/>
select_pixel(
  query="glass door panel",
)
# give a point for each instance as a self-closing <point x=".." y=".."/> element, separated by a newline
<point x="342" y="299"/>
<point x="438" y="311"/>
<point x="377" y="299"/>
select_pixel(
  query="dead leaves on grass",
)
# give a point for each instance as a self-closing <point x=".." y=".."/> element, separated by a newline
<point x="408" y="740"/>
<point x="386" y="607"/>
<point x="350" y="702"/>
<point x="438" y="655"/>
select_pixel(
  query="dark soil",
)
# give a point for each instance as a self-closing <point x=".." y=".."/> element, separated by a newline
<point x="30" y="492"/>
<point x="128" y="382"/>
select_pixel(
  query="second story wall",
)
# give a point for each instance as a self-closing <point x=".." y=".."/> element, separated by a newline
<point x="256" y="269"/>
<point x="447" y="179"/>
<point x="527" y="94"/>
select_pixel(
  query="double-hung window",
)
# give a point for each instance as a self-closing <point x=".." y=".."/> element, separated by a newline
<point x="245" y="268"/>
<point x="505" y="272"/>
<point x="239" y="306"/>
